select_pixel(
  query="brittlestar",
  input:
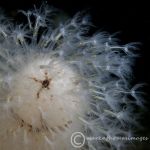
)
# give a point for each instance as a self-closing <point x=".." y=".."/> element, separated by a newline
<point x="45" y="83"/>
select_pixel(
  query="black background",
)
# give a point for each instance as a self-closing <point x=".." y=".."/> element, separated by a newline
<point x="131" y="19"/>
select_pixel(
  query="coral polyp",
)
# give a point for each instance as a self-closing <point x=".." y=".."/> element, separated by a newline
<point x="56" y="80"/>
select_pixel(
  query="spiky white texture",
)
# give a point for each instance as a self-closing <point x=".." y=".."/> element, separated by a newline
<point x="89" y="80"/>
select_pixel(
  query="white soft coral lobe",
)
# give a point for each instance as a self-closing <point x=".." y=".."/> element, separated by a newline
<point x="57" y="80"/>
<point x="46" y="94"/>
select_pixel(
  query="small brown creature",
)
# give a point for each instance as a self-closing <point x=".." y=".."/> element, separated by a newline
<point x="44" y="83"/>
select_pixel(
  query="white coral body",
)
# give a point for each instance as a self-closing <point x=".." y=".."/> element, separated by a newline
<point x="59" y="82"/>
<point x="45" y="98"/>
